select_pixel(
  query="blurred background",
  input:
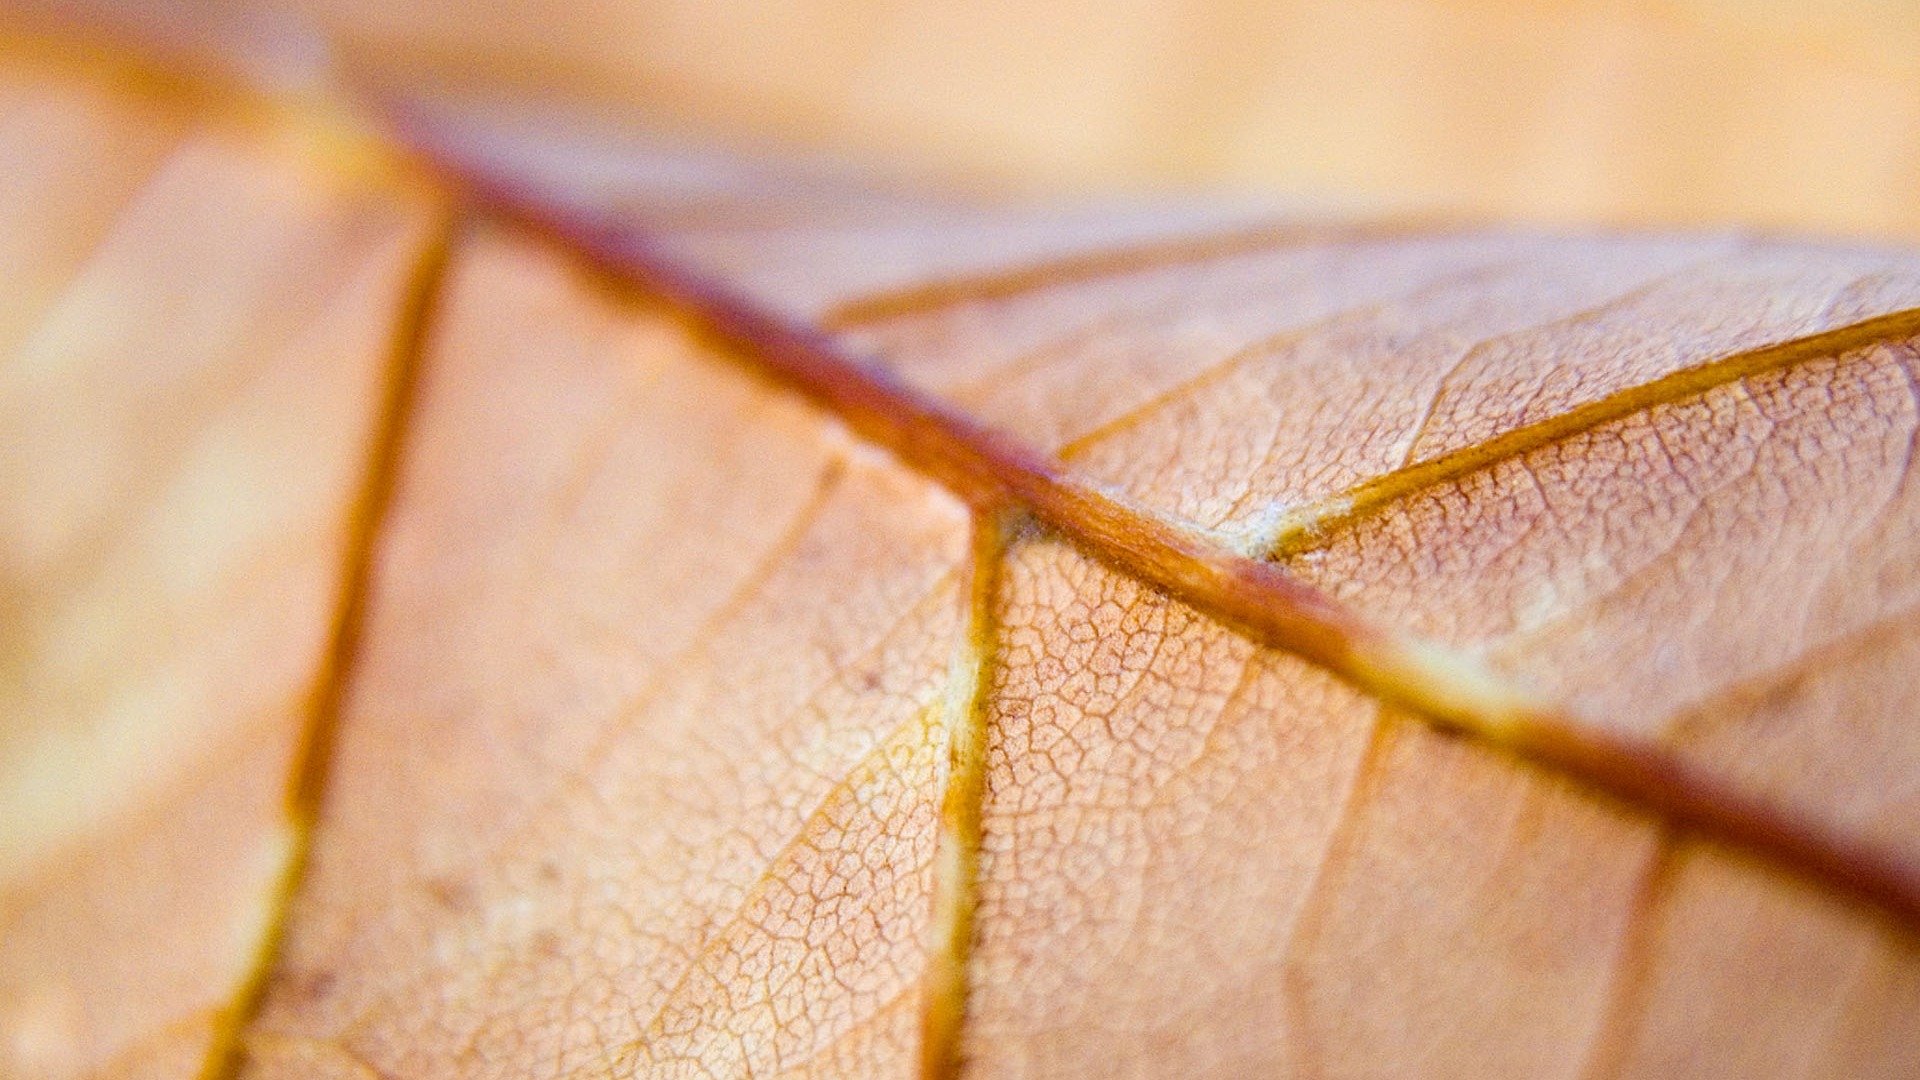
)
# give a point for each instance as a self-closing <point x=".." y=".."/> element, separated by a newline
<point x="1771" y="113"/>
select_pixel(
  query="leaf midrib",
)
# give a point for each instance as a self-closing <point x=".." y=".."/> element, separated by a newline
<point x="997" y="475"/>
<point x="994" y="473"/>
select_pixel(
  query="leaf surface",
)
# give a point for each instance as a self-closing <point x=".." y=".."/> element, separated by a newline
<point x="1039" y="691"/>
<point x="197" y="319"/>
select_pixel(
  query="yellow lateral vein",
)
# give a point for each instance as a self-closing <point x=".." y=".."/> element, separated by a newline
<point x="1310" y="526"/>
<point x="956" y="864"/>
<point x="1252" y="595"/>
<point x="413" y="319"/>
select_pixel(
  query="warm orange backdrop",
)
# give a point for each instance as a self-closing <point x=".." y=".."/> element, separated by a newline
<point x="1767" y="112"/>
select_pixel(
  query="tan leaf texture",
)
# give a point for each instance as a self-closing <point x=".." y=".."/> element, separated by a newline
<point x="199" y="317"/>
<point x="694" y="618"/>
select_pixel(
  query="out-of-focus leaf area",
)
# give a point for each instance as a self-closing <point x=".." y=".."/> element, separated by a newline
<point x="1757" y="112"/>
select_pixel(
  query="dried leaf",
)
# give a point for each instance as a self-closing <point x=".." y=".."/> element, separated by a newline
<point x="1038" y="690"/>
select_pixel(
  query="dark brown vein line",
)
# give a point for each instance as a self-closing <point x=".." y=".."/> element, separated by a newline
<point x="990" y="470"/>
<point x="413" y="320"/>
<point x="956" y="868"/>
<point x="1311" y="526"/>
<point x="1067" y="270"/>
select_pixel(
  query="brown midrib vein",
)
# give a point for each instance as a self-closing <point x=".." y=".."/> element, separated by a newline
<point x="413" y="321"/>
<point x="1313" y="525"/>
<point x="993" y="472"/>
